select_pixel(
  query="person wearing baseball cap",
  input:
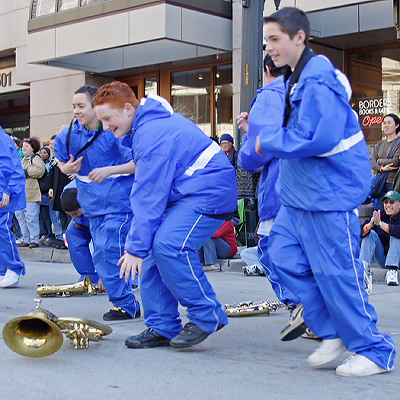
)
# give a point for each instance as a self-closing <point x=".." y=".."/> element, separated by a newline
<point x="381" y="237"/>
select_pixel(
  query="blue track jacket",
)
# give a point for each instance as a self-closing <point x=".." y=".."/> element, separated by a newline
<point x="165" y="145"/>
<point x="12" y="176"/>
<point x="266" y="111"/>
<point x="324" y="159"/>
<point x="110" y="196"/>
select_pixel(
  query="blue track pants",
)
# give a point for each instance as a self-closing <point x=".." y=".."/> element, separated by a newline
<point x="109" y="233"/>
<point x="9" y="256"/>
<point x="282" y="292"/>
<point x="175" y="274"/>
<point x="78" y="239"/>
<point x="315" y="254"/>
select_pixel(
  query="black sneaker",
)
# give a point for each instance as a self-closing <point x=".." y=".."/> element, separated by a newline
<point x="190" y="335"/>
<point x="296" y="326"/>
<point x="147" y="339"/>
<point x="118" y="314"/>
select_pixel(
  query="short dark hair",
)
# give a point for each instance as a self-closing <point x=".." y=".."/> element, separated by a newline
<point x="33" y="142"/>
<point x="90" y="92"/>
<point x="275" y="71"/>
<point x="17" y="141"/>
<point x="291" y="20"/>
<point x="53" y="137"/>
<point x="396" y="120"/>
<point x="69" y="200"/>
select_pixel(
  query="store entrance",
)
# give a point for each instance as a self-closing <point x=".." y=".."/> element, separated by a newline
<point x="15" y="113"/>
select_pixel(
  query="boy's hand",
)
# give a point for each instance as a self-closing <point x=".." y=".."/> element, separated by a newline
<point x="99" y="174"/>
<point x="5" y="200"/>
<point x="129" y="265"/>
<point x="258" y="146"/>
<point x="72" y="166"/>
<point x="241" y="121"/>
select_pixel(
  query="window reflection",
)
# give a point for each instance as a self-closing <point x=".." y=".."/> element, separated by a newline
<point x="223" y="100"/>
<point x="67" y="4"/>
<point x="190" y="96"/>
<point x="150" y="86"/>
<point x="43" y="7"/>
<point x="375" y="79"/>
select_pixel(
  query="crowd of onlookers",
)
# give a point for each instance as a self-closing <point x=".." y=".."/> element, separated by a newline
<point x="42" y="221"/>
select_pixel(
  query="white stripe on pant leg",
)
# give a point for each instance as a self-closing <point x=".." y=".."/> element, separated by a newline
<point x="191" y="230"/>
<point x="119" y="236"/>
<point x="202" y="290"/>
<point x="10" y="239"/>
<point x="360" y="292"/>
<point x="270" y="280"/>
<point x="194" y="275"/>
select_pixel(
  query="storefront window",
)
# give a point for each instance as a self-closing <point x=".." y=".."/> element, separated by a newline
<point x="190" y="96"/>
<point x="150" y="85"/>
<point x="375" y="79"/>
<point x="223" y="100"/>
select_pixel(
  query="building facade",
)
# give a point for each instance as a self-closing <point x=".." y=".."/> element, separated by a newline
<point x="189" y="52"/>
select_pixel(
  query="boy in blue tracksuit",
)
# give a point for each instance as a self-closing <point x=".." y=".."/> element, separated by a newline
<point x="12" y="198"/>
<point x="78" y="235"/>
<point x="267" y="111"/>
<point x="185" y="187"/>
<point x="324" y="177"/>
<point x="103" y="169"/>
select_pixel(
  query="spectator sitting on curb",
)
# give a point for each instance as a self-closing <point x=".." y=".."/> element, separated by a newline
<point x="221" y="245"/>
<point x="381" y="237"/>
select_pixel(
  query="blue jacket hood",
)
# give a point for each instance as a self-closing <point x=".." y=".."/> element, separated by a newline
<point x="165" y="145"/>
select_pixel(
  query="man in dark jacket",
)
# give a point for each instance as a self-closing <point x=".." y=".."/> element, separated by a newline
<point x="226" y="143"/>
<point x="381" y="237"/>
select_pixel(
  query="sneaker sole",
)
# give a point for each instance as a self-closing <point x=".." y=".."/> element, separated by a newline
<point x="13" y="285"/>
<point x="138" y="345"/>
<point x="182" y="345"/>
<point x="339" y="373"/>
<point x="293" y="333"/>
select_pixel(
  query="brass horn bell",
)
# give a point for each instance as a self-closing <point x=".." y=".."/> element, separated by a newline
<point x="40" y="333"/>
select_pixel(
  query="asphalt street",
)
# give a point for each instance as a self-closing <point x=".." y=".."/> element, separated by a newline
<point x="245" y="360"/>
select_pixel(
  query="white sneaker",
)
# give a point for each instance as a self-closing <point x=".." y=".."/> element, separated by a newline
<point x="253" y="270"/>
<point x="326" y="352"/>
<point x="391" y="278"/>
<point x="10" y="279"/>
<point x="357" y="365"/>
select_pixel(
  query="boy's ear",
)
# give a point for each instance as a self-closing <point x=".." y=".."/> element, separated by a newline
<point x="129" y="109"/>
<point x="301" y="37"/>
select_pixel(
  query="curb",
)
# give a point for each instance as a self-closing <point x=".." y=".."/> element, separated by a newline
<point x="45" y="254"/>
<point x="49" y="254"/>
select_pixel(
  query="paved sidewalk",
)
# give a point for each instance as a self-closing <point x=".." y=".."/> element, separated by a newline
<point x="245" y="360"/>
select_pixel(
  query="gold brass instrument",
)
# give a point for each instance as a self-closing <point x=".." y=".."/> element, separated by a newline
<point x="246" y="308"/>
<point x="40" y="333"/>
<point x="68" y="289"/>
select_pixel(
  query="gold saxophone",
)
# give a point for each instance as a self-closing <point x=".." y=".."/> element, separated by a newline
<point x="246" y="308"/>
<point x="68" y="289"/>
<point x="39" y="333"/>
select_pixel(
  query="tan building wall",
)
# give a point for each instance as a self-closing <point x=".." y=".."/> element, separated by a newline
<point x="51" y="88"/>
<point x="313" y="5"/>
